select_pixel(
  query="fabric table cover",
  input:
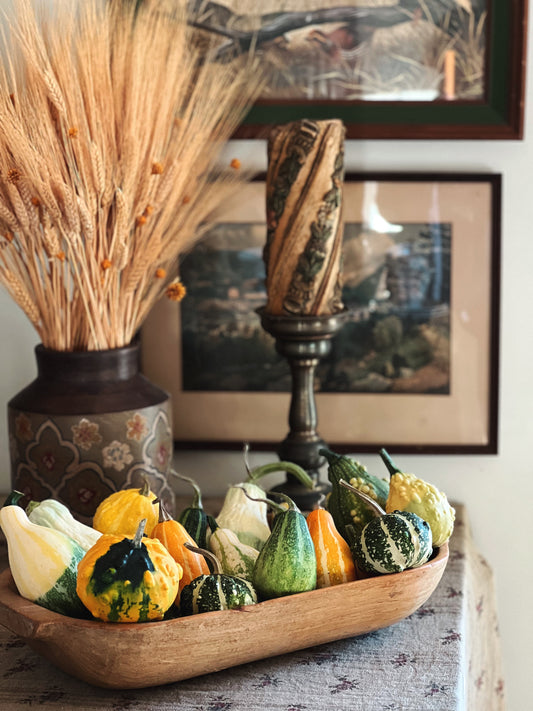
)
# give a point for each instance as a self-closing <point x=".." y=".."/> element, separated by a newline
<point x="444" y="657"/>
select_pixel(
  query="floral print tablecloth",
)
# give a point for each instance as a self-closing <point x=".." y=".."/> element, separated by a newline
<point x="444" y="657"/>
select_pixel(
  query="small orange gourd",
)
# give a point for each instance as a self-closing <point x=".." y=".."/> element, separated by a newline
<point x="173" y="535"/>
<point x="121" y="512"/>
<point x="334" y="560"/>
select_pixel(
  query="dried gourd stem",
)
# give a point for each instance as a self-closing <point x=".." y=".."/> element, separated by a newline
<point x="211" y="558"/>
<point x="287" y="501"/>
<point x="137" y="539"/>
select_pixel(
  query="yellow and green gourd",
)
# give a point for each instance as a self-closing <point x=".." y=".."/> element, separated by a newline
<point x="410" y="493"/>
<point x="124" y="579"/>
<point x="43" y="562"/>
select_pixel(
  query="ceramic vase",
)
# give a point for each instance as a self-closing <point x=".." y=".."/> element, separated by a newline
<point x="90" y="424"/>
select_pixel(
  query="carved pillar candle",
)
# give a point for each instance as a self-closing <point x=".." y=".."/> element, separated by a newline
<point x="304" y="231"/>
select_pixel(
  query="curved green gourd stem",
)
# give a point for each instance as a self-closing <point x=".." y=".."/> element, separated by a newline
<point x="13" y="498"/>
<point x="197" y="498"/>
<point x="376" y="508"/>
<point x="391" y="466"/>
<point x="273" y="467"/>
<point x="211" y="558"/>
<point x="289" y="467"/>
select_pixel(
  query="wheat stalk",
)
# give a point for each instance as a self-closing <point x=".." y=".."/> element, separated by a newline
<point x="112" y="119"/>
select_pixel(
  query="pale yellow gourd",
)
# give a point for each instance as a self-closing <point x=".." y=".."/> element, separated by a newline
<point x="43" y="562"/>
<point x="54" y="514"/>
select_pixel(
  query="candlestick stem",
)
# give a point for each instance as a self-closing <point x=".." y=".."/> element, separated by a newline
<point x="304" y="341"/>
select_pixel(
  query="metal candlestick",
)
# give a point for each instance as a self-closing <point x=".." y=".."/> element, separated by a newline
<point x="304" y="341"/>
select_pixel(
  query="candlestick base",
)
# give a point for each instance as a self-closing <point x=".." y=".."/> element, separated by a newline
<point x="303" y="341"/>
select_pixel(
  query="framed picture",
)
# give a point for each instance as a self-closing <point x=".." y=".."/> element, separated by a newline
<point x="388" y="68"/>
<point x="414" y="368"/>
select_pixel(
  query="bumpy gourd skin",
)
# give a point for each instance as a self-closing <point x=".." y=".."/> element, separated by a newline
<point x="119" y="582"/>
<point x="409" y="493"/>
<point x="121" y="512"/>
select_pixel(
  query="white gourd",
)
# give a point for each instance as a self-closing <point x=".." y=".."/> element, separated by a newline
<point x="54" y="514"/>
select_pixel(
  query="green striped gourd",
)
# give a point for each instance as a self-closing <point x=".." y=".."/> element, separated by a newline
<point x="235" y="558"/>
<point x="194" y="519"/>
<point x="343" y="504"/>
<point x="43" y="563"/>
<point x="54" y="514"/>
<point x="287" y="562"/>
<point x="215" y="591"/>
<point x="392" y="543"/>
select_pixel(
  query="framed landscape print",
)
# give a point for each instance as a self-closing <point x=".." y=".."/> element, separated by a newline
<point x="387" y="68"/>
<point x="415" y="366"/>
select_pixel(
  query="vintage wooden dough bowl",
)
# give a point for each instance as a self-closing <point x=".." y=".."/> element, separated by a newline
<point x="121" y="655"/>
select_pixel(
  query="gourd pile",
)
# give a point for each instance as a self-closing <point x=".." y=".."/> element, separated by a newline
<point x="137" y="563"/>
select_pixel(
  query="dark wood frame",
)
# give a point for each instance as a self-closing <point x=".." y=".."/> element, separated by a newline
<point x="162" y="332"/>
<point x="499" y="116"/>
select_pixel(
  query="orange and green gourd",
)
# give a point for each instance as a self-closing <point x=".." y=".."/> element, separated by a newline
<point x="121" y="512"/>
<point x="334" y="562"/>
<point x="123" y="579"/>
<point x="173" y="535"/>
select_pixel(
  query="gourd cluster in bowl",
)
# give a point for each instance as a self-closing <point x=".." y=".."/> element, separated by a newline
<point x="137" y="563"/>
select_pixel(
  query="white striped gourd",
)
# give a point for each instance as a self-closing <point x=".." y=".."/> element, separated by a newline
<point x="235" y="558"/>
<point x="392" y="543"/>
<point x="215" y="591"/>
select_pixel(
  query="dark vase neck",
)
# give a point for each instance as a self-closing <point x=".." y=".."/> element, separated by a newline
<point x="90" y="366"/>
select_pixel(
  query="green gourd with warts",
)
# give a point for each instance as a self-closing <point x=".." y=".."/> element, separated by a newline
<point x="246" y="517"/>
<point x="344" y="505"/>
<point x="215" y="591"/>
<point x="287" y="562"/>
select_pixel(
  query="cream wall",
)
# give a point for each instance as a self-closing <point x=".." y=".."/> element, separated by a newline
<point x="497" y="490"/>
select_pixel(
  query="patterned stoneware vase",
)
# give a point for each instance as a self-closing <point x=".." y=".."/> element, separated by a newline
<point x="89" y="425"/>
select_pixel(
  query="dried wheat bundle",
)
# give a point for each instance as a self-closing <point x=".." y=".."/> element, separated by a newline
<point x="112" y="116"/>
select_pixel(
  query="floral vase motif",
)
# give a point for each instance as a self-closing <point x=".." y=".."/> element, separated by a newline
<point x="89" y="425"/>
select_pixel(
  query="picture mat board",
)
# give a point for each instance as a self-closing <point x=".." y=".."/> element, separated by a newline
<point x="464" y="420"/>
